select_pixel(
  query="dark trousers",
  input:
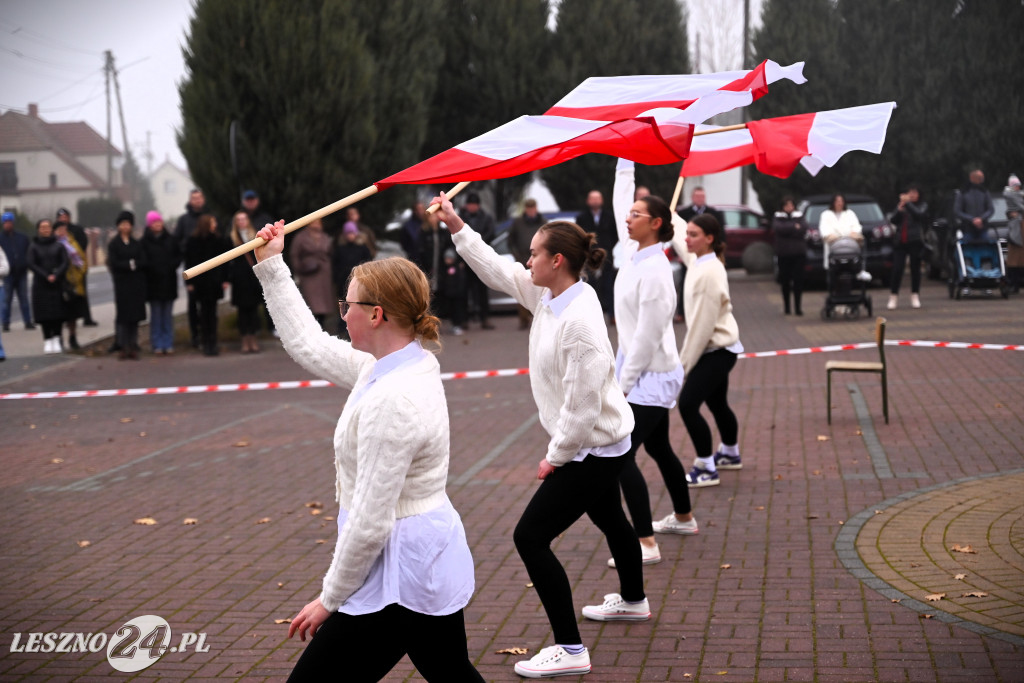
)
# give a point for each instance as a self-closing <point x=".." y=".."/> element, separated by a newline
<point x="791" y="277"/>
<point x="87" y="309"/>
<point x="651" y="430"/>
<point x="126" y="335"/>
<point x="17" y="283"/>
<point x="900" y="254"/>
<point x="248" y="319"/>
<point x="590" y="486"/>
<point x="51" y="328"/>
<point x="478" y="292"/>
<point x="206" y="314"/>
<point x="193" y="318"/>
<point x="708" y="382"/>
<point x="363" y="648"/>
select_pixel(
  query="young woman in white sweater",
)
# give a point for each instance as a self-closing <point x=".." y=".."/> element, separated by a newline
<point x="709" y="350"/>
<point x="402" y="570"/>
<point x="572" y="374"/>
<point x="647" y="363"/>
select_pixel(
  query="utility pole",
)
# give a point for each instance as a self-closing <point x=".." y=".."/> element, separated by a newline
<point x="108" y="68"/>
<point x="745" y="170"/>
<point x="124" y="131"/>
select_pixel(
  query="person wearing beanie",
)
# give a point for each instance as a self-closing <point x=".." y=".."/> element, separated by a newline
<point x="1015" y="240"/>
<point x="15" y="246"/>
<point x="127" y="262"/>
<point x="349" y="251"/>
<point x="163" y="254"/>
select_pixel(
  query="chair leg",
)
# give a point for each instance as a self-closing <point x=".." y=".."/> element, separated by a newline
<point x="828" y="399"/>
<point x="885" y="398"/>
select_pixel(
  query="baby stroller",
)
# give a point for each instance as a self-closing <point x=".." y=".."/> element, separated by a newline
<point x="847" y="284"/>
<point x="977" y="267"/>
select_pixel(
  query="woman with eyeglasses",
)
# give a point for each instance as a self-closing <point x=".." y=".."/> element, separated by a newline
<point x="647" y="364"/>
<point x="402" y="570"/>
<point x="572" y="374"/>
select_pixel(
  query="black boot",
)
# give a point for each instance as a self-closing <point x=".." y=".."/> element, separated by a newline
<point x="796" y="302"/>
<point x="73" y="342"/>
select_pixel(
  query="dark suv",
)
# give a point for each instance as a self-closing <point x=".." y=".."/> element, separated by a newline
<point x="875" y="226"/>
<point x="940" y="236"/>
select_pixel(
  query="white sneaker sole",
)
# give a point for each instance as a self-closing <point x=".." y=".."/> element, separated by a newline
<point x="617" y="616"/>
<point x="675" y="530"/>
<point x="703" y="484"/>
<point x="737" y="466"/>
<point x="536" y="673"/>
<point x="646" y="561"/>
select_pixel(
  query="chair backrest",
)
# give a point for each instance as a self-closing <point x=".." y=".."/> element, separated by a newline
<point x="880" y="337"/>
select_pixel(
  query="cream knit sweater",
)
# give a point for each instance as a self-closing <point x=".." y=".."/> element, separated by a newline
<point x="572" y="368"/>
<point x="390" y="448"/>
<point x="710" y="324"/>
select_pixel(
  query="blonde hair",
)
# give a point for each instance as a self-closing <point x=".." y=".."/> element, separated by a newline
<point x="399" y="287"/>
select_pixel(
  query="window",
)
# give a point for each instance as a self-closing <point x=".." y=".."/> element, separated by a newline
<point x="53" y="181"/>
<point x="8" y="177"/>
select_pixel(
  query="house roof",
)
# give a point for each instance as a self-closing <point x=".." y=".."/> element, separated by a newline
<point x="25" y="133"/>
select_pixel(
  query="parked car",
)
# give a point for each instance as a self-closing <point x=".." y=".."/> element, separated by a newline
<point x="940" y="237"/>
<point x="876" y="228"/>
<point x="748" y="242"/>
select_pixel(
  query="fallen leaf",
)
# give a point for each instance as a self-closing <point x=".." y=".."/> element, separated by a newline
<point x="316" y="511"/>
<point x="73" y="417"/>
<point x="721" y="673"/>
<point x="314" y="504"/>
<point x="934" y="597"/>
<point x="792" y="463"/>
<point x="960" y="577"/>
<point x="329" y="518"/>
<point x="673" y="591"/>
<point x="925" y="616"/>
<point x="759" y="508"/>
<point x="189" y="521"/>
<point x="841" y="522"/>
<point x="822" y="437"/>
<point x="687" y="675"/>
<point x="84" y="544"/>
<point x="146" y="521"/>
<point x="812" y="516"/>
<point x="957" y="548"/>
<point x="974" y="594"/>
<point x="999" y="405"/>
<point x="31" y="426"/>
<point x="897" y="600"/>
<point x="320" y="541"/>
<point x="778" y="477"/>
<point x="142" y="433"/>
<point x="126" y="420"/>
<point x="488" y="395"/>
<point x="280" y="585"/>
<point x="264" y="520"/>
<point x="282" y="621"/>
<point x="511" y="651"/>
<point x="529" y="585"/>
<point x="816" y="472"/>
<point x="725" y="566"/>
<point x="240" y="444"/>
<point x="879" y="512"/>
<point x="57" y="461"/>
<point x="914" y="564"/>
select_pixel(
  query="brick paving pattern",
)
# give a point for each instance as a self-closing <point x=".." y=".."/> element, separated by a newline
<point x="770" y="590"/>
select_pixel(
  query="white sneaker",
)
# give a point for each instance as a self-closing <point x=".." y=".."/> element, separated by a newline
<point x="617" y="609"/>
<point x="893" y="301"/>
<point x="671" y="525"/>
<point x="554" y="661"/>
<point x="915" y="301"/>
<point x="650" y="555"/>
<point x="458" y="331"/>
<point x="48" y="346"/>
<point x="864" y="276"/>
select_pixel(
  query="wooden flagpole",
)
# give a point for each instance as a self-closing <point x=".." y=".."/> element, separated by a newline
<point x="451" y="193"/>
<point x="682" y="179"/>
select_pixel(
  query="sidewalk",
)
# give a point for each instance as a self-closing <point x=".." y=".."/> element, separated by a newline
<point x="815" y="562"/>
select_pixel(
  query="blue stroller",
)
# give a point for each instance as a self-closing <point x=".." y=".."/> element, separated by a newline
<point x="978" y="267"/>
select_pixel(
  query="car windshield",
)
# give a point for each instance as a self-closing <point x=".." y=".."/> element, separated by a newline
<point x="866" y="212"/>
<point x="736" y="218"/>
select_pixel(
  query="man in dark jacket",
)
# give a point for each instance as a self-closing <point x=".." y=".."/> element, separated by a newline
<point x="483" y="224"/>
<point x="601" y="223"/>
<point x="973" y="208"/>
<point x="15" y="246"/>
<point x="183" y="231"/>
<point x="412" y="236"/>
<point x="520" y="235"/>
<point x="251" y="205"/>
<point x="78" y="232"/>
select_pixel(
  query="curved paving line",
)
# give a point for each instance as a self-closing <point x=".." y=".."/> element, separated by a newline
<point x="846" y="551"/>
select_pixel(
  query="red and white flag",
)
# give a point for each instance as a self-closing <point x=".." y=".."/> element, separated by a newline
<point x="649" y="120"/>
<point x="775" y="146"/>
<point x="612" y="98"/>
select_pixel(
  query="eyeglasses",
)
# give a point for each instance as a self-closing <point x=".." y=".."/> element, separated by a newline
<point x="637" y="214"/>
<point x="343" y="306"/>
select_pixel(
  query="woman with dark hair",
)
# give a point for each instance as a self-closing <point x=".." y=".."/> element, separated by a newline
<point x="208" y="288"/>
<point x="911" y="221"/>
<point x="647" y="363"/>
<point x="709" y="350"/>
<point x="402" y="571"/>
<point x="572" y="374"/>
<point x="48" y="261"/>
<point x="790" y="231"/>
<point x="127" y="262"/>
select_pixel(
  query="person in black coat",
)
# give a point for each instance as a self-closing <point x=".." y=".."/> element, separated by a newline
<point x="790" y="230"/>
<point x="600" y="222"/>
<point x="911" y="222"/>
<point x="246" y="291"/>
<point x="207" y="289"/>
<point x="164" y="256"/>
<point x="483" y="224"/>
<point x="126" y="261"/>
<point x="48" y="261"/>
<point x="183" y="231"/>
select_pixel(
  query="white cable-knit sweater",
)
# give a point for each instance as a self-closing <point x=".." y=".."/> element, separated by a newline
<point x="390" y="447"/>
<point x="572" y="369"/>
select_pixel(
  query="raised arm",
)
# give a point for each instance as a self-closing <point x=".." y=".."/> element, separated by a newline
<point x="679" y="240"/>
<point x="622" y="197"/>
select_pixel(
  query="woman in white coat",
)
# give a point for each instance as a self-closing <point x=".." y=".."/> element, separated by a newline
<point x="838" y="221"/>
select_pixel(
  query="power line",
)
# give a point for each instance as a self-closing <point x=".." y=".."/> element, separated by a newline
<point x="21" y="55"/>
<point x="47" y="41"/>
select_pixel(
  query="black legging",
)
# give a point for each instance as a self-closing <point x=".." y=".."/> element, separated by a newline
<point x="708" y="382"/>
<point x="51" y="328"/>
<point x="791" y="277"/>
<point x="366" y="647"/>
<point x="589" y="486"/>
<point x="900" y="254"/>
<point x="207" y="312"/>
<point x="651" y="430"/>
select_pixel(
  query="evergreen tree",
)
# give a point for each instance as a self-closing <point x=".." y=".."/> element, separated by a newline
<point x="613" y="38"/>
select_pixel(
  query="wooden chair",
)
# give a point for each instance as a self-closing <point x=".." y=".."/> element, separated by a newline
<point x="861" y="366"/>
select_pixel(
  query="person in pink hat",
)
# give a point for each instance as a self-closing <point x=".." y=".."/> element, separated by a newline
<point x="164" y="256"/>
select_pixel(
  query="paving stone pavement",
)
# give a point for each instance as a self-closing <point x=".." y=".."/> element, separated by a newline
<point x="792" y="578"/>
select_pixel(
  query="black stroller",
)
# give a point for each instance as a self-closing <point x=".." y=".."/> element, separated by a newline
<point x="847" y="286"/>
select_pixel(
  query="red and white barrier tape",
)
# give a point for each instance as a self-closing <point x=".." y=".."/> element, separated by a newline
<point x="473" y="374"/>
